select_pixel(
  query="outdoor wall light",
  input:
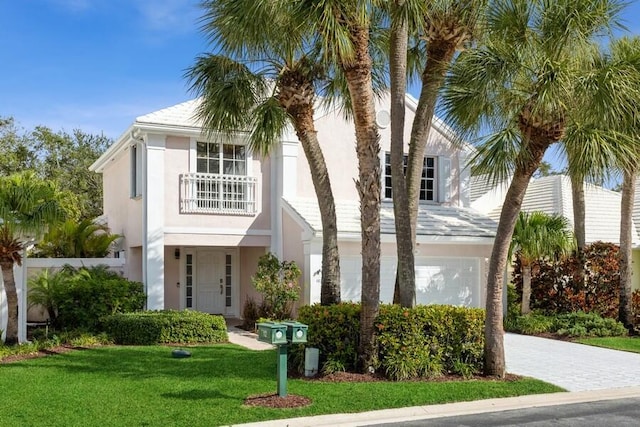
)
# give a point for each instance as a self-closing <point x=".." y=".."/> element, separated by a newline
<point x="177" y="253"/>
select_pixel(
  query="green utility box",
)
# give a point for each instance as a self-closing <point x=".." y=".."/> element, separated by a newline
<point x="272" y="333"/>
<point x="296" y="332"/>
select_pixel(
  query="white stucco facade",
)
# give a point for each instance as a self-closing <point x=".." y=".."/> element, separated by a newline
<point x="208" y="208"/>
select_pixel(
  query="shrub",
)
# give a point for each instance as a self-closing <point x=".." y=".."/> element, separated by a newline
<point x="278" y="283"/>
<point x="334" y="330"/>
<point x="530" y="324"/>
<point x="163" y="327"/>
<point x="92" y="293"/>
<point x="253" y="313"/>
<point x="429" y="340"/>
<point x="575" y="325"/>
<point x="556" y="287"/>
<point x="582" y="324"/>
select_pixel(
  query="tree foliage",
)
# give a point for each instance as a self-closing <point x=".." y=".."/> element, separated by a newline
<point x="60" y="157"/>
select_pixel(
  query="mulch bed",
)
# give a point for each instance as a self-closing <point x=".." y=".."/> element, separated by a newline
<point x="48" y="352"/>
<point x="275" y="401"/>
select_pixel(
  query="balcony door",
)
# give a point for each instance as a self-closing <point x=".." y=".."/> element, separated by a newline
<point x="212" y="281"/>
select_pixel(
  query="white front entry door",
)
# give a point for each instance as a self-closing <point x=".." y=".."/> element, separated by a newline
<point x="210" y="282"/>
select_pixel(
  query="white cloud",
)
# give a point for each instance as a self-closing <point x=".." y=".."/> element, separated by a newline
<point x="169" y="16"/>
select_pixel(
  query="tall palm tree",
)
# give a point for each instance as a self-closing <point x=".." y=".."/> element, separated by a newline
<point x="527" y="83"/>
<point x="400" y="15"/>
<point x="281" y="91"/>
<point x="28" y="206"/>
<point x="627" y="51"/>
<point x="537" y="236"/>
<point x="343" y="28"/>
<point x="446" y="25"/>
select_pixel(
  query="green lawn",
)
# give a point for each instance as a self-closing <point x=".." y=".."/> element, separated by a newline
<point x="617" y="343"/>
<point x="145" y="386"/>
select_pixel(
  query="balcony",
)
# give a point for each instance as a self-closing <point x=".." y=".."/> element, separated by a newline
<point x="208" y="193"/>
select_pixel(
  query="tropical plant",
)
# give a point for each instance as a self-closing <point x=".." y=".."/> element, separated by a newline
<point x="278" y="283"/>
<point x="44" y="290"/>
<point x="537" y="236"/>
<point x="530" y="82"/>
<point x="28" y="206"/>
<point x="71" y="239"/>
<point x="266" y="78"/>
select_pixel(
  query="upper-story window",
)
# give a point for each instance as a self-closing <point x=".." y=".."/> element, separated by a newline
<point x="222" y="181"/>
<point x="135" y="151"/>
<point x="428" y="184"/>
<point x="222" y="159"/>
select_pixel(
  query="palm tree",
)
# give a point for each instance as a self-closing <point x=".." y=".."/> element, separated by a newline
<point x="448" y="25"/>
<point x="627" y="51"/>
<point x="536" y="236"/>
<point x="71" y="239"/>
<point x="527" y="82"/>
<point x="281" y="91"/>
<point x="28" y="206"/>
<point x="343" y="29"/>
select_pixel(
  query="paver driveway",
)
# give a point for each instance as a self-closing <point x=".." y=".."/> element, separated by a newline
<point x="574" y="367"/>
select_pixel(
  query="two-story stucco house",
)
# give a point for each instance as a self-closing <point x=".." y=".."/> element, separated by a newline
<point x="197" y="214"/>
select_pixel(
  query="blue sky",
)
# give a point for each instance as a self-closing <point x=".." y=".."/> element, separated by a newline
<point x="97" y="64"/>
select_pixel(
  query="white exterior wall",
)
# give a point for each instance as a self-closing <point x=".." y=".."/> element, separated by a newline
<point x="337" y="139"/>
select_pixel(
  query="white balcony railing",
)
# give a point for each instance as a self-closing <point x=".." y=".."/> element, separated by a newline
<point x="217" y="194"/>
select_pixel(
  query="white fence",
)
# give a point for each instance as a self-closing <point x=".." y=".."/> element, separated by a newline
<point x="31" y="267"/>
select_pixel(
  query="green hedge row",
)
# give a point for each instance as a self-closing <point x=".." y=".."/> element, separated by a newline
<point x="425" y="341"/>
<point x="168" y="326"/>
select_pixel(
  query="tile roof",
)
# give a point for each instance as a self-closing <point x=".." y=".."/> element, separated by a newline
<point x="552" y="195"/>
<point x="182" y="115"/>
<point x="433" y="220"/>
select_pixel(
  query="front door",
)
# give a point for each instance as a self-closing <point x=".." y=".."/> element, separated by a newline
<point x="210" y="281"/>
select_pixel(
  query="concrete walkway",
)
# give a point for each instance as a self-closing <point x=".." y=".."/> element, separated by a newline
<point x="244" y="338"/>
<point x="572" y="366"/>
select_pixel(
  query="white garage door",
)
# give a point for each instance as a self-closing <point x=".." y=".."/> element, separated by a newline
<point x="454" y="281"/>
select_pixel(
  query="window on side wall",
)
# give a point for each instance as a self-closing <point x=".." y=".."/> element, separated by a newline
<point x="435" y="183"/>
<point x="136" y="170"/>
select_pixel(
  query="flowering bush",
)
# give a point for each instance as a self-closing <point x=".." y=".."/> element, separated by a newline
<point x="278" y="283"/>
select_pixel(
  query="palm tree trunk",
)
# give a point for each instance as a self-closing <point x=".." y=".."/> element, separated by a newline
<point x="527" y="163"/>
<point x="579" y="228"/>
<point x="405" y="286"/>
<point x="308" y="136"/>
<point x="526" y="290"/>
<point x="439" y="55"/>
<point x="359" y="80"/>
<point x="625" y="314"/>
<point x="12" y="301"/>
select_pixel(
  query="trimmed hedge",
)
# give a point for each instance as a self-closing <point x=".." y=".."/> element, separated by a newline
<point x="335" y="331"/>
<point x="431" y="340"/>
<point x="167" y="326"/>
<point x="424" y="341"/>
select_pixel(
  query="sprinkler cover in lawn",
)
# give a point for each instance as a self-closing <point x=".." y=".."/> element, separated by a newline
<point x="180" y="353"/>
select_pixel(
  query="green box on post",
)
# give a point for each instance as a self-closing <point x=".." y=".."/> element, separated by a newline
<point x="272" y="333"/>
<point x="296" y="332"/>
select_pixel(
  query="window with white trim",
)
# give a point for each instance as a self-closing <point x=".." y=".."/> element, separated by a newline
<point x="222" y="159"/>
<point x="219" y="180"/>
<point x="428" y="188"/>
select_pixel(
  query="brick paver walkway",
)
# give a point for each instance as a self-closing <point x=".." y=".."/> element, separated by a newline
<point x="574" y="367"/>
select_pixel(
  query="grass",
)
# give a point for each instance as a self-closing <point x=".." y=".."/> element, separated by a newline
<point x="145" y="386"/>
<point x="617" y="343"/>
